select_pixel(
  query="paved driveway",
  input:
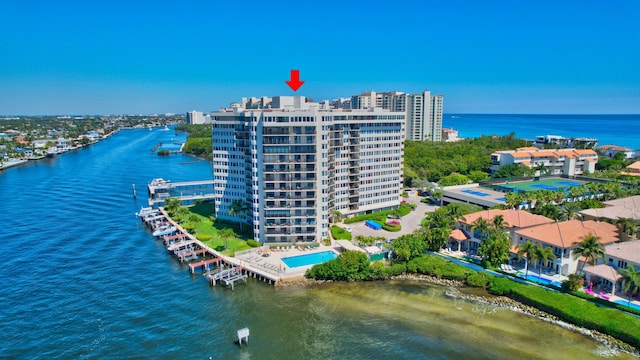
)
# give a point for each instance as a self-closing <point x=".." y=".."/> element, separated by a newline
<point x="409" y="223"/>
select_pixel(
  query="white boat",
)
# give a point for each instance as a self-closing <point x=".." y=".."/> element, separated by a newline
<point x="52" y="151"/>
<point x="159" y="181"/>
<point x="164" y="231"/>
<point x="166" y="128"/>
<point x="146" y="211"/>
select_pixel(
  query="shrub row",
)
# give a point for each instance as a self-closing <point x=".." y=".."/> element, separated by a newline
<point x="253" y="243"/>
<point x="381" y="216"/>
<point x="574" y="310"/>
<point x="340" y="233"/>
<point x="391" y="227"/>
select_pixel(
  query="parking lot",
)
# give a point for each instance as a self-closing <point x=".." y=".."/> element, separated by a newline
<point x="409" y="223"/>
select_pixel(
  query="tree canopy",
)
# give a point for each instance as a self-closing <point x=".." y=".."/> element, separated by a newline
<point x="433" y="161"/>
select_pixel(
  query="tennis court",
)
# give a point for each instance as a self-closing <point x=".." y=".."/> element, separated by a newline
<point x="544" y="184"/>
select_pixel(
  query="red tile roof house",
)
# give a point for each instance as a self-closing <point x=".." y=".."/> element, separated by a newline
<point x="469" y="239"/>
<point x="563" y="238"/>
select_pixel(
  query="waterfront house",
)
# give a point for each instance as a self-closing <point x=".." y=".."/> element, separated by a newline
<point x="617" y="256"/>
<point x="513" y="219"/>
<point x="563" y="238"/>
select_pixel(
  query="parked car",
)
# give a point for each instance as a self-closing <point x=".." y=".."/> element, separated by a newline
<point x="347" y="228"/>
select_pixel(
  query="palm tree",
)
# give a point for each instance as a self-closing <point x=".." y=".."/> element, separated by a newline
<point x="437" y="238"/>
<point x="544" y="254"/>
<point x="528" y="251"/>
<point x="612" y="190"/>
<point x="513" y="199"/>
<point x="225" y="235"/>
<point x="239" y="207"/>
<point x="171" y="205"/>
<point x="557" y="196"/>
<point x="481" y="226"/>
<point x="591" y="248"/>
<point x="437" y="195"/>
<point x="337" y="216"/>
<point x="499" y="224"/>
<point x="630" y="281"/>
<point x="182" y="213"/>
<point x="627" y="226"/>
<point x="594" y="189"/>
<point x="569" y="211"/>
<point x="455" y="212"/>
<point x="575" y="192"/>
<point x="540" y="169"/>
<point x="193" y="218"/>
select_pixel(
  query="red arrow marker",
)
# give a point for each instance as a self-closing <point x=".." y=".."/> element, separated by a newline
<point x="295" y="82"/>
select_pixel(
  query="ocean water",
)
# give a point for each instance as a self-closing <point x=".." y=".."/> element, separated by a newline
<point x="82" y="278"/>
<point x="619" y="130"/>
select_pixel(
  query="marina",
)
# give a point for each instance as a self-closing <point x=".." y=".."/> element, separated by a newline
<point x="217" y="268"/>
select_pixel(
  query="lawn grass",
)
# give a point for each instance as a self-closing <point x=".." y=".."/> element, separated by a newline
<point x="208" y="227"/>
<point x="340" y="233"/>
<point x="381" y="216"/>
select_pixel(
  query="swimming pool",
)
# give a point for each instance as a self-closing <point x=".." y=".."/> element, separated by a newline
<point x="540" y="280"/>
<point x="626" y="303"/>
<point x="309" y="259"/>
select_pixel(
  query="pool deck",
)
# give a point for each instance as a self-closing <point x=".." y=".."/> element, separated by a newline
<point x="269" y="260"/>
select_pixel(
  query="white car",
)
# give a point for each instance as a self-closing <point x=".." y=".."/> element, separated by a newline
<point x="347" y="228"/>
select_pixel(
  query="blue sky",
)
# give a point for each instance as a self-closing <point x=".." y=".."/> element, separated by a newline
<point x="100" y="57"/>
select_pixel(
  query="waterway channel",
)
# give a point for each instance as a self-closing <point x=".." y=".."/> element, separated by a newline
<point x="81" y="277"/>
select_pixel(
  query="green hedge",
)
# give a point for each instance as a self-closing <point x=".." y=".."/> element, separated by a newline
<point x="253" y="243"/>
<point x="381" y="216"/>
<point x="391" y="227"/>
<point x="438" y="267"/>
<point x="600" y="301"/>
<point x="203" y="237"/>
<point x="340" y="233"/>
<point x="577" y="311"/>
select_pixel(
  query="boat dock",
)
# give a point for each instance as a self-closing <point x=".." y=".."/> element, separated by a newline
<point x="187" y="192"/>
<point x="216" y="267"/>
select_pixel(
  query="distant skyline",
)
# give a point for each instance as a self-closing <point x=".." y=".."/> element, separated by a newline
<point x="519" y="57"/>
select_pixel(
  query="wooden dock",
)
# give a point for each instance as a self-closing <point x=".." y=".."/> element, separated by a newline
<point x="187" y="248"/>
<point x="203" y="265"/>
<point x="227" y="276"/>
<point x="186" y="191"/>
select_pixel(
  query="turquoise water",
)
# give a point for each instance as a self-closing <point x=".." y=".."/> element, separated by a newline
<point x="309" y="259"/>
<point x="537" y="279"/>
<point x="82" y="278"/>
<point x="608" y="129"/>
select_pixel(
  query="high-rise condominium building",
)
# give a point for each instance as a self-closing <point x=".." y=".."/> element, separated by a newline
<point x="195" y="117"/>
<point x="423" y="111"/>
<point x="296" y="164"/>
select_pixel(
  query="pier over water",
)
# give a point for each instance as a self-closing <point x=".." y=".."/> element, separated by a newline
<point x="186" y="191"/>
